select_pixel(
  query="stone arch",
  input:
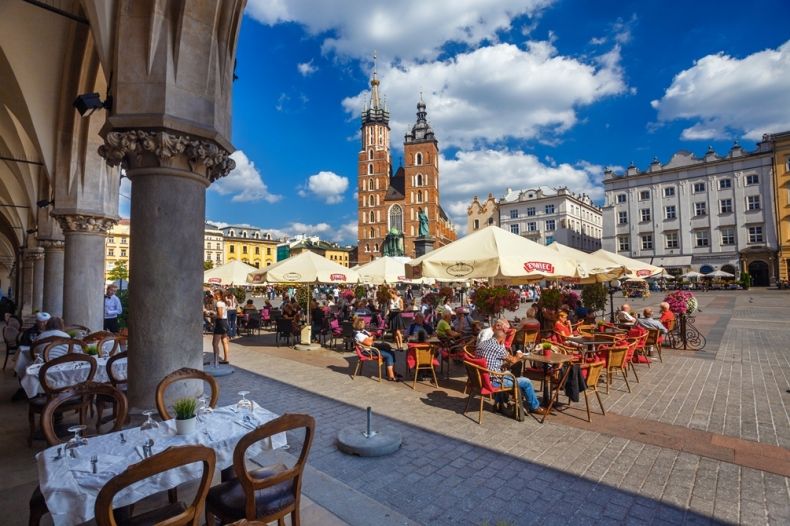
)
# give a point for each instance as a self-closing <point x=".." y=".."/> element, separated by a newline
<point x="759" y="272"/>
<point x="729" y="268"/>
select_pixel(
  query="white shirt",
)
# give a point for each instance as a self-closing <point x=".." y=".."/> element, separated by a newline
<point x="361" y="336"/>
<point x="56" y="351"/>
<point x="224" y="308"/>
<point x="112" y="307"/>
<point x="625" y="317"/>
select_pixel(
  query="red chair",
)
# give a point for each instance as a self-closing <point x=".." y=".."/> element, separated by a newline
<point x="480" y="385"/>
<point x="509" y="337"/>
<point x="367" y="354"/>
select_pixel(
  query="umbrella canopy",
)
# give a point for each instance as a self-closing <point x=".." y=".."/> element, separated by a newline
<point x="719" y="274"/>
<point x="691" y="275"/>
<point x="306" y="267"/>
<point x="232" y="273"/>
<point x="387" y="269"/>
<point x="597" y="269"/>
<point x="636" y="268"/>
<point x="493" y="253"/>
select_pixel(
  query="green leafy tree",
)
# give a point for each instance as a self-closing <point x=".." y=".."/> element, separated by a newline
<point x="208" y="265"/>
<point x="594" y="296"/>
<point x="119" y="271"/>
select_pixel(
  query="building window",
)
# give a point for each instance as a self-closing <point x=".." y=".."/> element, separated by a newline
<point x="419" y="196"/>
<point x="753" y="202"/>
<point x="549" y="240"/>
<point x="644" y="214"/>
<point x="232" y="249"/>
<point x="621" y="198"/>
<point x="396" y="218"/>
<point x="622" y="218"/>
<point x="669" y="191"/>
<point x="372" y="234"/>
<point x="475" y="224"/>
<point x="727" y="236"/>
<point x="644" y="195"/>
<point x="490" y="220"/>
<point x="701" y="239"/>
<point x="550" y="225"/>
<point x="418" y="159"/>
<point x="257" y="251"/>
<point x="700" y="209"/>
<point x="219" y="257"/>
<point x="232" y="233"/>
<point x="371" y="200"/>
<point x="268" y="251"/>
<point x="123" y="241"/>
<point x="370" y="154"/>
<point x="531" y="211"/>
<point x="514" y="228"/>
<point x="725" y="183"/>
<point x="755" y="234"/>
<point x="123" y="252"/>
<point x="549" y="209"/>
<point x="367" y="248"/>
<point x="670" y="212"/>
<point x="532" y="226"/>
<point x="420" y="181"/>
<point x="111" y="252"/>
<point x="514" y="214"/>
<point x="375" y="247"/>
<point x="671" y="239"/>
<point x="752" y="179"/>
<point x="623" y="244"/>
<point x="699" y="187"/>
<point x="725" y="206"/>
<point x="244" y="250"/>
<point x="647" y="241"/>
<point x="370" y="168"/>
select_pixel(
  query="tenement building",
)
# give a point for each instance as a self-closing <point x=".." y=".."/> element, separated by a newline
<point x="481" y="214"/>
<point x="545" y="215"/>
<point x="391" y="204"/>
<point x="118" y="247"/>
<point x="703" y="214"/>
<point x="781" y="146"/>
<point x="213" y="245"/>
<point x="249" y="245"/>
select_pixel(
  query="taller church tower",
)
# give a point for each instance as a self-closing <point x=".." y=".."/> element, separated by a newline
<point x="373" y="174"/>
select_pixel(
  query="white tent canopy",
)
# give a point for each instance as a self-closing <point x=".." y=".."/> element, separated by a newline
<point x="636" y="268"/>
<point x="493" y="253"/>
<point x="232" y="273"/>
<point x="691" y="275"/>
<point x="719" y="274"/>
<point x="387" y="269"/>
<point x="306" y="267"/>
<point x="597" y="269"/>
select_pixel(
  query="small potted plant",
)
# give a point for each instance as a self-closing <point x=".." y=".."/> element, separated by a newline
<point x="92" y="350"/>
<point x="546" y="346"/>
<point x="185" y="415"/>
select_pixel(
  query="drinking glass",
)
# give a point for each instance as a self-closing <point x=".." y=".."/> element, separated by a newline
<point x="203" y="408"/>
<point x="150" y="427"/>
<point x="244" y="406"/>
<point x="76" y="441"/>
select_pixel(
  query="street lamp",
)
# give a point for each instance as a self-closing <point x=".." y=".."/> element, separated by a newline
<point x="614" y="284"/>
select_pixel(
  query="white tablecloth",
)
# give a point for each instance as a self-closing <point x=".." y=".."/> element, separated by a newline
<point x="70" y="488"/>
<point x="68" y="374"/>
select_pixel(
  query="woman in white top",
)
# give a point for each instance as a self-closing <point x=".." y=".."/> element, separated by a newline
<point x="396" y="324"/>
<point x="220" y="327"/>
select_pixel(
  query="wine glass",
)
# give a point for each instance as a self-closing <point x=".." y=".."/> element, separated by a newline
<point x="244" y="406"/>
<point x="149" y="428"/>
<point x="203" y="408"/>
<point x="76" y="441"/>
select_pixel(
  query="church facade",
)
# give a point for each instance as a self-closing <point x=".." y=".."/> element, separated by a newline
<point x="391" y="203"/>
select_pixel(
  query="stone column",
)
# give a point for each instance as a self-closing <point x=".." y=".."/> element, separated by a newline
<point x="38" y="280"/>
<point x="169" y="173"/>
<point x="53" y="275"/>
<point x="83" y="268"/>
<point x="28" y="263"/>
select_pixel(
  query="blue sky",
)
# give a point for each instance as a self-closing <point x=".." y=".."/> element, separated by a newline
<point x="519" y="92"/>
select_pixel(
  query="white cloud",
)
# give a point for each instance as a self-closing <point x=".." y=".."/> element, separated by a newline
<point x="244" y="182"/>
<point x="479" y="172"/>
<point x="347" y="232"/>
<point x="306" y="68"/>
<point x="496" y="92"/>
<point x="327" y="186"/>
<point x="397" y="29"/>
<point x="728" y="96"/>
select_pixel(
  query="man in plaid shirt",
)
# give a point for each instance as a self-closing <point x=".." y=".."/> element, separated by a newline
<point x="498" y="359"/>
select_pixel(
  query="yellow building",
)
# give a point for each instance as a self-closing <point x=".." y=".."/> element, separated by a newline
<point x="781" y="144"/>
<point x="338" y="254"/>
<point x="249" y="245"/>
<point x="117" y="246"/>
<point x="331" y="251"/>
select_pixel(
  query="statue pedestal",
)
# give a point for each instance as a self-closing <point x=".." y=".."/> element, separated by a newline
<point x="422" y="245"/>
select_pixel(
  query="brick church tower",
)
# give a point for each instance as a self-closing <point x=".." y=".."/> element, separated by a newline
<point x="388" y="201"/>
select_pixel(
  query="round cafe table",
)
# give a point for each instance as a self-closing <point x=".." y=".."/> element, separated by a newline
<point x="68" y="374"/>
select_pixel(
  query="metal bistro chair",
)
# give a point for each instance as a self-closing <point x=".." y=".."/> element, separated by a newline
<point x="424" y="359"/>
<point x="11" y="333"/>
<point x="594" y="371"/>
<point x="284" y="330"/>
<point x="367" y="354"/>
<point x="480" y="385"/>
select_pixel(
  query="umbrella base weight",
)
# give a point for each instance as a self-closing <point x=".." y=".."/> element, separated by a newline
<point x="218" y="370"/>
<point x="353" y="440"/>
<point x="307" y="347"/>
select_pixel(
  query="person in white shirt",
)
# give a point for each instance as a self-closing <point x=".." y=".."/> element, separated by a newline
<point x="53" y="329"/>
<point x="624" y="317"/>
<point x="112" y="309"/>
<point x="220" y="327"/>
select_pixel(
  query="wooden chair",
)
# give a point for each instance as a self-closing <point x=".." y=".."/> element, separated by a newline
<point x="266" y="494"/>
<point x="651" y="342"/>
<point x="671" y="325"/>
<point x="83" y="330"/>
<point x="529" y="339"/>
<point x="113" y="344"/>
<point x="96" y="336"/>
<point x="616" y="363"/>
<point x="594" y="371"/>
<point x="56" y="346"/>
<point x="480" y="384"/>
<point x="184" y="373"/>
<point x="367" y="354"/>
<point x="11" y="334"/>
<point x="85" y="391"/>
<point x="174" y="514"/>
<point x="36" y="405"/>
<point x="116" y="381"/>
<point x="283" y="330"/>
<point x="424" y="359"/>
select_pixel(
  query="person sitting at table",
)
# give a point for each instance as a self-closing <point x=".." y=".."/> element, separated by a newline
<point x="365" y="338"/>
<point x="463" y="322"/>
<point x="648" y="322"/>
<point x="624" y="316"/>
<point x="667" y="317"/>
<point x="419" y="325"/>
<point x="249" y="307"/>
<point x="54" y="328"/>
<point x="443" y="329"/>
<point x="530" y="323"/>
<point x="31" y="334"/>
<point x="395" y="321"/>
<point x="499" y="359"/>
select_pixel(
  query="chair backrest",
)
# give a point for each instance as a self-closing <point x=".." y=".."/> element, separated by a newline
<point x="423" y="353"/>
<point x="77" y="360"/>
<point x="530" y="336"/>
<point x="11" y="334"/>
<point x="57" y="346"/>
<point x="670" y="325"/>
<point x="81" y="330"/>
<point x="284" y="326"/>
<point x="477" y="370"/>
<point x="292" y="476"/>
<point x="113" y="344"/>
<point x="617" y="355"/>
<point x="265" y="314"/>
<point x="593" y="373"/>
<point x="652" y="337"/>
<point x="96" y="336"/>
<point x="85" y="390"/>
<point x="511" y="335"/>
<point x="364" y="352"/>
<point x="184" y="373"/>
<point x="347" y="329"/>
<point x="170" y="458"/>
<point x="115" y="379"/>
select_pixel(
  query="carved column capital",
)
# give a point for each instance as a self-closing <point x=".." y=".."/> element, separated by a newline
<point x="85" y="223"/>
<point x="136" y="149"/>
<point x="51" y="244"/>
<point x="34" y="253"/>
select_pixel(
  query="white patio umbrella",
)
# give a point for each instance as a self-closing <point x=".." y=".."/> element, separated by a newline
<point x="691" y="275"/>
<point x="232" y="273"/>
<point x="387" y="269"/>
<point x="493" y="253"/>
<point x="596" y="268"/>
<point x="636" y="268"/>
<point x="719" y="274"/>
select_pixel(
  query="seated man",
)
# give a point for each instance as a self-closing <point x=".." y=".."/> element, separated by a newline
<point x="443" y="328"/>
<point x="463" y="322"/>
<point x="419" y="325"/>
<point x="364" y="337"/>
<point x="498" y="359"/>
<point x="54" y="328"/>
<point x="648" y="322"/>
<point x="624" y="316"/>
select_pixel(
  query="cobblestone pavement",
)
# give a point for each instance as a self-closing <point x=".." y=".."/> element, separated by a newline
<point x="452" y="470"/>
